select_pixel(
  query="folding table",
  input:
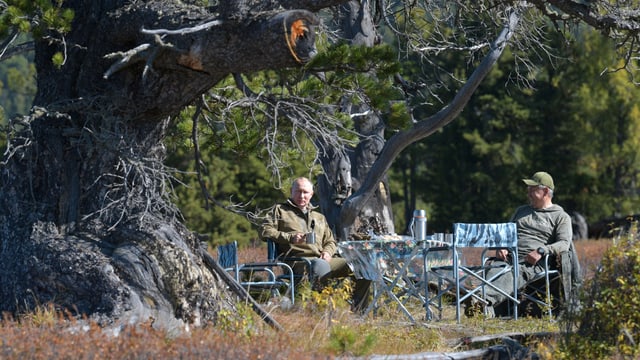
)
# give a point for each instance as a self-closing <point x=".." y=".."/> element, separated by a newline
<point x="390" y="261"/>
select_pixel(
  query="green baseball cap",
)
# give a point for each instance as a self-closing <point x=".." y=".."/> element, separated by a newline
<point x="540" y="178"/>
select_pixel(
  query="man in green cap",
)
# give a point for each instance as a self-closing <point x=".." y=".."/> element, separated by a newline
<point x="543" y="228"/>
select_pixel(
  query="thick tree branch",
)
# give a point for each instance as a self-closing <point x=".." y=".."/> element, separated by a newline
<point x="422" y="129"/>
<point x="192" y="59"/>
<point x="242" y="7"/>
<point x="19" y="49"/>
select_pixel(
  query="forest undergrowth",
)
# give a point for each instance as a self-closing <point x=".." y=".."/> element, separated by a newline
<point x="319" y="325"/>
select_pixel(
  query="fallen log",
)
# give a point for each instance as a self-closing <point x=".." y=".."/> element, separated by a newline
<point x="522" y="337"/>
<point x="510" y="349"/>
<point x="494" y="352"/>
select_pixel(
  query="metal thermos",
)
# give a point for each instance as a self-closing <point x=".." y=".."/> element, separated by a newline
<point x="419" y="225"/>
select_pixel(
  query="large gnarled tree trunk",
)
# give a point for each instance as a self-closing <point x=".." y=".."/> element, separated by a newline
<point x="86" y="221"/>
<point x="346" y="169"/>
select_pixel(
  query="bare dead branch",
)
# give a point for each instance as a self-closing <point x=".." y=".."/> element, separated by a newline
<point x="126" y="58"/>
<point x="145" y="52"/>
<point x="10" y="39"/>
<point x="183" y="31"/>
<point x="243" y="86"/>
<point x="196" y="152"/>
<point x="17" y="50"/>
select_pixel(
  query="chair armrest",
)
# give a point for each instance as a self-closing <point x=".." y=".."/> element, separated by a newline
<point x="306" y="261"/>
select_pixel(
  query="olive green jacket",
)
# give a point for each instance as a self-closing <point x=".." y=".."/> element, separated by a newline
<point x="548" y="228"/>
<point x="287" y="219"/>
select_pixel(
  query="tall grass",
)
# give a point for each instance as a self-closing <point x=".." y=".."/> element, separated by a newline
<point x="321" y="325"/>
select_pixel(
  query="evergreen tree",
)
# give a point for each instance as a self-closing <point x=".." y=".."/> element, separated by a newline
<point x="602" y="119"/>
<point x="571" y="119"/>
<point x="17" y="86"/>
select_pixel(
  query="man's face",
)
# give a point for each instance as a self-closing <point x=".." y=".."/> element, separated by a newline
<point x="536" y="195"/>
<point x="301" y="193"/>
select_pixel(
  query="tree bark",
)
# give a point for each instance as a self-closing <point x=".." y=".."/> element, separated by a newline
<point x="87" y="223"/>
<point x="347" y="169"/>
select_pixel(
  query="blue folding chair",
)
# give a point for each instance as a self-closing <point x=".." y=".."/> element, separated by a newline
<point x="274" y="255"/>
<point x="488" y="237"/>
<point x="271" y="275"/>
<point x="470" y="281"/>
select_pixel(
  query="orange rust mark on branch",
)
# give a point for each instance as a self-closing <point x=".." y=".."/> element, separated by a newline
<point x="190" y="62"/>
<point x="296" y="31"/>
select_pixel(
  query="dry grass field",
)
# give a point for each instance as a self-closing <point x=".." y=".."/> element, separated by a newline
<point x="319" y="326"/>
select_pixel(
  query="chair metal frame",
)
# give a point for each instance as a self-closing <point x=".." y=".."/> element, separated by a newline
<point x="274" y="255"/>
<point x="444" y="284"/>
<point x="563" y="268"/>
<point x="489" y="236"/>
<point x="228" y="259"/>
<point x="541" y="284"/>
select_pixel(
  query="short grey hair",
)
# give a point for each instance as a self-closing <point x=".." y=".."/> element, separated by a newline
<point x="546" y="187"/>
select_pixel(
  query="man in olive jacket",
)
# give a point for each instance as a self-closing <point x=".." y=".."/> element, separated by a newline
<point x="289" y="226"/>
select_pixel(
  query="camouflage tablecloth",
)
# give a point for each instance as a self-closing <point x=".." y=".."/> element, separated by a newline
<point x="385" y="255"/>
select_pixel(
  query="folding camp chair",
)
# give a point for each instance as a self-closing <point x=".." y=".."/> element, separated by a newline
<point x="557" y="284"/>
<point x="438" y="276"/>
<point x="275" y="255"/>
<point x="538" y="289"/>
<point x="470" y="281"/>
<point x="275" y="275"/>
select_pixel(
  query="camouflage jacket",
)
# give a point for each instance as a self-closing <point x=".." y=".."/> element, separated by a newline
<point x="287" y="219"/>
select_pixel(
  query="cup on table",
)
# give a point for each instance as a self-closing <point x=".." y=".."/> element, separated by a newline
<point x="310" y="238"/>
<point x="448" y="238"/>
<point x="439" y="237"/>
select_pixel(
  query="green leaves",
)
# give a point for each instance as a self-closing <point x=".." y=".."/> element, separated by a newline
<point x="348" y="58"/>
<point x="36" y="17"/>
<point x="366" y="69"/>
<point x="58" y="59"/>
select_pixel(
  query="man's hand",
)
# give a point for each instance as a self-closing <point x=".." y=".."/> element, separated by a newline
<point x="502" y="254"/>
<point x="298" y="238"/>
<point x="533" y="257"/>
<point x="325" y="256"/>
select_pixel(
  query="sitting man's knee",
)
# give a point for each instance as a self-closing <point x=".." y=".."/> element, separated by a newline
<point x="320" y="268"/>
